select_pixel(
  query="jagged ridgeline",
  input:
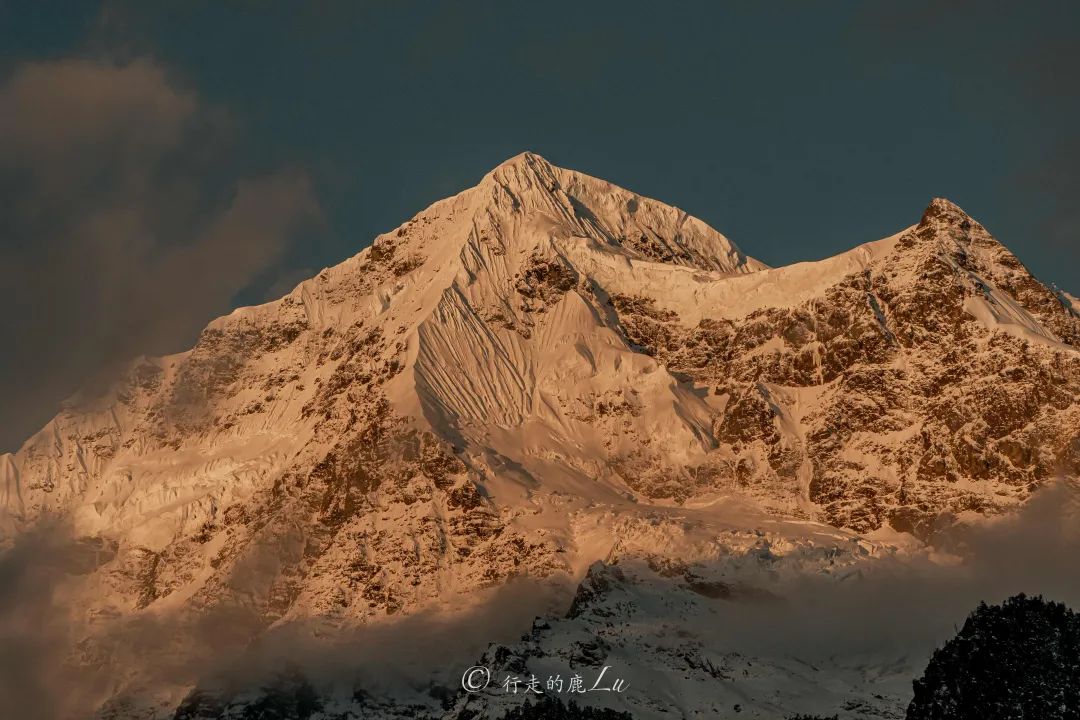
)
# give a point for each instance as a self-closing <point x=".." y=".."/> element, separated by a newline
<point x="542" y="372"/>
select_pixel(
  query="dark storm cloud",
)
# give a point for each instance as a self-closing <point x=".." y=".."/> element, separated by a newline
<point x="125" y="227"/>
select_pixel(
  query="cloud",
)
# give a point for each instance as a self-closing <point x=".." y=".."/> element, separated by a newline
<point x="36" y="628"/>
<point x="154" y="658"/>
<point x="391" y="659"/>
<point x="128" y="223"/>
<point x="888" y="615"/>
<point x="903" y="608"/>
<point x="70" y="120"/>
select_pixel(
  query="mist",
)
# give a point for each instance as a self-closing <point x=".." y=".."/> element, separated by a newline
<point x="153" y="660"/>
<point x="905" y="607"/>
<point x="891" y="610"/>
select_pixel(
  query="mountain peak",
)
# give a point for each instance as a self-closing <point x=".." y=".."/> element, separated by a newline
<point x="543" y="371"/>
<point x="526" y="157"/>
<point x="942" y="211"/>
<point x="585" y="206"/>
<point x="524" y="164"/>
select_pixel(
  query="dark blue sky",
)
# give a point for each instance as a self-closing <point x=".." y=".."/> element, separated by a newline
<point x="798" y="129"/>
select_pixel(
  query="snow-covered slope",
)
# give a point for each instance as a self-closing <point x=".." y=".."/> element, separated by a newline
<point x="532" y="372"/>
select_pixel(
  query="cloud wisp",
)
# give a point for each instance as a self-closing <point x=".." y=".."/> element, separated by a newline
<point x="128" y="223"/>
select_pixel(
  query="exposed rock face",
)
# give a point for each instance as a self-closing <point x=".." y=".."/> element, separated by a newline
<point x="939" y="377"/>
<point x="461" y="402"/>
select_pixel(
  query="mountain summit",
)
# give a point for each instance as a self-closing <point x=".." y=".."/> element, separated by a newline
<point x="544" y="371"/>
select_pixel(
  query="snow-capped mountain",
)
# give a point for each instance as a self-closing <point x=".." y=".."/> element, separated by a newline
<point x="543" y="372"/>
